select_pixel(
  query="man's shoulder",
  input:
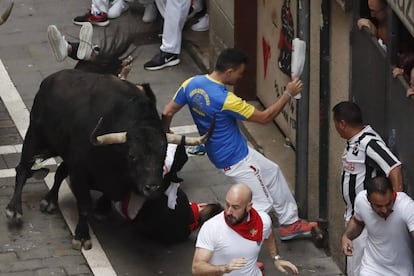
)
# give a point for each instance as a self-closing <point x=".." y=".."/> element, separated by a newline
<point x="212" y="222"/>
<point x="404" y="199"/>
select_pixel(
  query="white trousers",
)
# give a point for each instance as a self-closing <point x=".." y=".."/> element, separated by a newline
<point x="99" y="6"/>
<point x="353" y="263"/>
<point x="268" y="184"/>
<point x="103" y="5"/>
<point x="175" y="14"/>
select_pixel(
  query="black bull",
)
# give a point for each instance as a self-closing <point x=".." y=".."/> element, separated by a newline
<point x="65" y="113"/>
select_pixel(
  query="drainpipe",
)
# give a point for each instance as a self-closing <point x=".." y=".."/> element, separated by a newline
<point x="302" y="130"/>
<point x="324" y="115"/>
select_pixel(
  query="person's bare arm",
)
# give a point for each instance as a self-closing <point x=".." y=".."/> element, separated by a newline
<point x="168" y="113"/>
<point x="395" y="177"/>
<point x="201" y="265"/>
<point x="352" y="231"/>
<point x="280" y="264"/>
<point x="267" y="115"/>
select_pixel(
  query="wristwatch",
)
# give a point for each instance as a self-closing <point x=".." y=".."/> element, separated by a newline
<point x="277" y="258"/>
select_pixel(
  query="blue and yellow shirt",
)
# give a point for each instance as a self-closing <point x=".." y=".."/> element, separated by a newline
<point x="205" y="97"/>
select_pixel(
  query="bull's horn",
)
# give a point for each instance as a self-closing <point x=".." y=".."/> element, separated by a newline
<point x="192" y="141"/>
<point x="112" y="138"/>
<point x="107" y="139"/>
<point x="189" y="141"/>
<point x="6" y="13"/>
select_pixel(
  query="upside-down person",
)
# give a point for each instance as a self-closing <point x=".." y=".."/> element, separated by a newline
<point x="170" y="217"/>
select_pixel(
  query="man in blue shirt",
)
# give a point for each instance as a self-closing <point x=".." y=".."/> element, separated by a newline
<point x="227" y="148"/>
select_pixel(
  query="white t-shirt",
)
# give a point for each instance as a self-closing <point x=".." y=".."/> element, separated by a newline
<point x="226" y="244"/>
<point x="388" y="250"/>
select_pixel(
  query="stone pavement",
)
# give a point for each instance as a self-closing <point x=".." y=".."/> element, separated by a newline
<point x="42" y="246"/>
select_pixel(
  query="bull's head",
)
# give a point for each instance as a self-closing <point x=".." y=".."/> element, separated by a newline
<point x="146" y="153"/>
<point x="121" y="137"/>
<point x="6" y="13"/>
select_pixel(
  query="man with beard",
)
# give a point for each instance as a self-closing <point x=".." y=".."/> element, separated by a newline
<point x="388" y="217"/>
<point x="231" y="241"/>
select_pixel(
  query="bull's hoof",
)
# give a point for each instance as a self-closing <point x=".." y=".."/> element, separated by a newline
<point x="87" y="244"/>
<point x="78" y="244"/>
<point x="47" y="207"/>
<point x="13" y="218"/>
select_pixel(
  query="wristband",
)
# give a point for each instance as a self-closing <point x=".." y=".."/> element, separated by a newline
<point x="289" y="94"/>
<point x="277" y="258"/>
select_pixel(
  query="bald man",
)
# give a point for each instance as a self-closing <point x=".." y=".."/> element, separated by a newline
<point x="231" y="241"/>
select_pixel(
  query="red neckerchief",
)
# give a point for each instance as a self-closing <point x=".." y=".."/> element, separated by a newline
<point x="194" y="226"/>
<point x="252" y="229"/>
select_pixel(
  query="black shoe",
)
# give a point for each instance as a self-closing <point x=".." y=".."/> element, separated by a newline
<point x="162" y="60"/>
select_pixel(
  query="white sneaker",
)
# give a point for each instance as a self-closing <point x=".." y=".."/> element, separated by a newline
<point x="202" y="25"/>
<point x="57" y="43"/>
<point x="117" y="7"/>
<point x="150" y="13"/>
<point x="85" y="42"/>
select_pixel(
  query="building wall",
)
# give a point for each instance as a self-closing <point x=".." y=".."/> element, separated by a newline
<point x="313" y="144"/>
<point x="341" y="24"/>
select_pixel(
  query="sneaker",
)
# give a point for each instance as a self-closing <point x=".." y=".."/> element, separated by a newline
<point x="57" y="42"/>
<point x="162" y="60"/>
<point x="150" y="13"/>
<point x="296" y="230"/>
<point x="196" y="150"/>
<point x="85" y="42"/>
<point x="98" y="19"/>
<point x="117" y="7"/>
<point x="202" y="25"/>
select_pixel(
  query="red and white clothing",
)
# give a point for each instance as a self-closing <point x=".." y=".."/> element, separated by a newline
<point x="226" y="244"/>
<point x="388" y="250"/>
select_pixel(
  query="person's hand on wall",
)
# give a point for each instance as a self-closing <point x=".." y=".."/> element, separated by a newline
<point x="397" y="72"/>
<point x="364" y="22"/>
